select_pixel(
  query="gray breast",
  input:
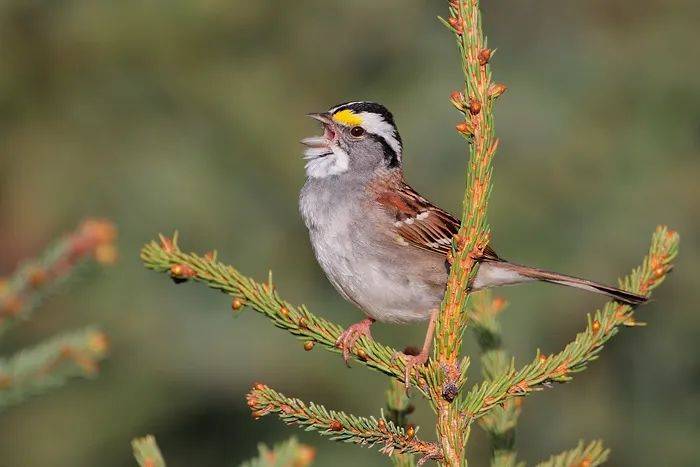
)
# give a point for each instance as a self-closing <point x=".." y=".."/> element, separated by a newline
<point x="351" y="239"/>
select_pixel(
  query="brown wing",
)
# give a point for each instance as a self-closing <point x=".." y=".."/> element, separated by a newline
<point x="419" y="222"/>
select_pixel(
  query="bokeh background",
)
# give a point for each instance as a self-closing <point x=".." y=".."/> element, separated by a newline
<point x="186" y="115"/>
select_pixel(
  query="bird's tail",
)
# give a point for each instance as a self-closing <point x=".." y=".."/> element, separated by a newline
<point x="494" y="273"/>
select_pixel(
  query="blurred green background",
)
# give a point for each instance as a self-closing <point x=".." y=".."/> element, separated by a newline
<point x="186" y="114"/>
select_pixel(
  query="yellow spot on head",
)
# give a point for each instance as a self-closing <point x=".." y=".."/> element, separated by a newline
<point x="347" y="117"/>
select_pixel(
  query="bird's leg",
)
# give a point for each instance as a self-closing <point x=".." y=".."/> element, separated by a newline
<point x="422" y="357"/>
<point x="348" y="338"/>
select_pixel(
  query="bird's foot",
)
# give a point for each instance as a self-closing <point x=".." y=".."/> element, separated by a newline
<point x="347" y="339"/>
<point x="412" y="359"/>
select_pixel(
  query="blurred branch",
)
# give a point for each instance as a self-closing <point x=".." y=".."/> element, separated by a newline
<point x="290" y="453"/>
<point x="339" y="426"/>
<point x="146" y="452"/>
<point x="543" y="370"/>
<point x="399" y="408"/>
<point x="23" y="291"/>
<point x="581" y="456"/>
<point x="476" y="105"/>
<point x="50" y="364"/>
<point x="501" y="421"/>
<point x="166" y="256"/>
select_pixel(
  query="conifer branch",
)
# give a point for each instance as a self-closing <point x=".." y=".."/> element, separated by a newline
<point x="582" y="455"/>
<point x="476" y="104"/>
<point x="23" y="291"/>
<point x="399" y="408"/>
<point x="500" y="422"/>
<point x="290" y="453"/>
<point x="166" y="256"/>
<point x="146" y="452"/>
<point x="543" y="371"/>
<point x="339" y="426"/>
<point x="50" y="364"/>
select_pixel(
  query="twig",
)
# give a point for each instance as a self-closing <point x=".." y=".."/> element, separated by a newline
<point x="399" y="407"/>
<point x="500" y="422"/>
<point x="51" y="364"/>
<point x="23" y="291"/>
<point x="559" y="368"/>
<point x="339" y="426"/>
<point x="582" y="455"/>
<point x="165" y="256"/>
<point x="290" y="453"/>
<point x="475" y="102"/>
<point x="147" y="453"/>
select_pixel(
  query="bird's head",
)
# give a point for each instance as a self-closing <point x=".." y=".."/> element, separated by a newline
<point x="358" y="137"/>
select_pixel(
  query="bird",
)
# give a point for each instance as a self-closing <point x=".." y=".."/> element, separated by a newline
<point x="381" y="244"/>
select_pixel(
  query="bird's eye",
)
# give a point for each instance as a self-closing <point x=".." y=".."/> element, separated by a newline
<point x="357" y="131"/>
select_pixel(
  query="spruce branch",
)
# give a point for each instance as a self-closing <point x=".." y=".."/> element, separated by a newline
<point x="287" y="454"/>
<point x="166" y="256"/>
<point x="582" y="455"/>
<point x="476" y="104"/>
<point x="339" y="426"/>
<point x="23" y="290"/>
<point x="50" y="364"/>
<point x="501" y="421"/>
<point x="146" y="452"/>
<point x="399" y="408"/>
<point x="543" y="371"/>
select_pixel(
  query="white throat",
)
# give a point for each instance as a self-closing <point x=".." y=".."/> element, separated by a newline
<point x="325" y="161"/>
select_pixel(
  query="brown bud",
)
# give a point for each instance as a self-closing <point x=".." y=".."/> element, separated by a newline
<point x="237" y="304"/>
<point x="457" y="99"/>
<point x="410" y="431"/>
<point x="484" y="56"/>
<point x="252" y="402"/>
<point x="98" y="343"/>
<point x="305" y="455"/>
<point x="542" y="358"/>
<point x="464" y="128"/>
<point x="166" y="243"/>
<point x="303" y="324"/>
<point x="381" y="424"/>
<point x="182" y="271"/>
<point x="37" y="276"/>
<point x="259" y="386"/>
<point x="308" y="345"/>
<point x="585" y="463"/>
<point x="11" y="306"/>
<point x="450" y="391"/>
<point x="361" y="354"/>
<point x="286" y="409"/>
<point x="658" y="272"/>
<point x="474" y="106"/>
<point x="284" y="311"/>
<point x="106" y="253"/>
<point x="497" y="89"/>
<point x="595" y="326"/>
<point x="210" y="256"/>
<point x="456" y="24"/>
<point x="335" y="425"/>
<point x="497" y="304"/>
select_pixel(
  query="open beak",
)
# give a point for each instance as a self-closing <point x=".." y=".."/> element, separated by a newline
<point x="324" y="117"/>
<point x="320" y="144"/>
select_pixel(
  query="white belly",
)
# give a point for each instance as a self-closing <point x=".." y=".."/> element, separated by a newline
<point x="386" y="285"/>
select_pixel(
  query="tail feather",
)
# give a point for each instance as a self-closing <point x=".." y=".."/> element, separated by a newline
<point x="503" y="273"/>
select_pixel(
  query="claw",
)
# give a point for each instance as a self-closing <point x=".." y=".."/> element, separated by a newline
<point x="349" y="337"/>
<point x="411" y="362"/>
